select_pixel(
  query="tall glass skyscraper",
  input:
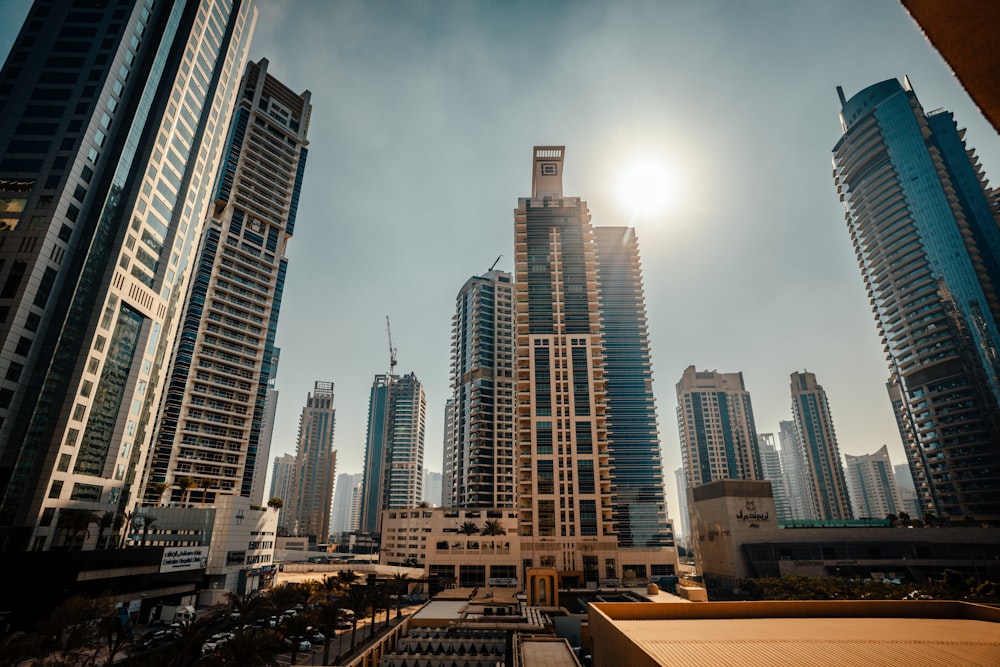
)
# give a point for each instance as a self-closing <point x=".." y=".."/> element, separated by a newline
<point x="928" y="243"/>
<point x="114" y="117"/>
<point x="480" y="448"/>
<point x="640" y="513"/>
<point x="211" y="425"/>
<point x="315" y="465"/>
<point x="566" y="497"/>
<point x="394" y="452"/>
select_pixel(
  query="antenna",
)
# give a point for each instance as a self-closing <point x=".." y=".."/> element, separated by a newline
<point x="392" y="350"/>
<point x="495" y="263"/>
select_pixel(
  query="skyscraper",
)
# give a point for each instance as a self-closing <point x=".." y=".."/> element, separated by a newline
<point x="565" y="499"/>
<point x="480" y="466"/>
<point x="345" y="494"/>
<point x="680" y="478"/>
<point x="114" y="115"/>
<point x="826" y="487"/>
<point x="225" y="350"/>
<point x="282" y="484"/>
<point x="315" y="464"/>
<point x="928" y="244"/>
<point x="432" y="488"/>
<point x="717" y="432"/>
<point x="770" y="460"/>
<point x="640" y="512"/>
<point x="394" y="453"/>
<point x="793" y="466"/>
<point x="874" y="493"/>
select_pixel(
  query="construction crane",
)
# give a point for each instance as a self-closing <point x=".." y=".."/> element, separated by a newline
<point x="495" y="263"/>
<point x="392" y="350"/>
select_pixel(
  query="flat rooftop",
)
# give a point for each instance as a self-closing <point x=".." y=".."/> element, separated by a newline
<point x="869" y="633"/>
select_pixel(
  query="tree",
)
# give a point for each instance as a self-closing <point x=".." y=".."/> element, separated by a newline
<point x="295" y="626"/>
<point x="74" y="523"/>
<point x="325" y="614"/>
<point x="249" y="608"/>
<point x="157" y="488"/>
<point x="424" y="503"/>
<point x="400" y="584"/>
<point x="146" y="521"/>
<point x="468" y="528"/>
<point x="346" y="578"/>
<point x="276" y="502"/>
<point x="105" y="523"/>
<point x="78" y="631"/>
<point x="493" y="527"/>
<point x="205" y="483"/>
<point x="186" y="483"/>
<point x="355" y="599"/>
<point x="257" y="649"/>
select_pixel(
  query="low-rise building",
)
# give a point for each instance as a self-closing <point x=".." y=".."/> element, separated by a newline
<point x="736" y="535"/>
<point x="233" y="540"/>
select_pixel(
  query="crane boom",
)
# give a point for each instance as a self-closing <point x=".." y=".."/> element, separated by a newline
<point x="495" y="262"/>
<point x="392" y="350"/>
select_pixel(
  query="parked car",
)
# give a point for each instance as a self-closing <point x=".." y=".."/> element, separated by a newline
<point x="316" y="637"/>
<point x="304" y="645"/>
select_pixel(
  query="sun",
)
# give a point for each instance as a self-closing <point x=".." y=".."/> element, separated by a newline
<point x="647" y="187"/>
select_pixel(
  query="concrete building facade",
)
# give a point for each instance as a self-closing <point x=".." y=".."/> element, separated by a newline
<point x="872" y="483"/>
<point x="480" y="449"/>
<point x="211" y="424"/>
<point x="826" y="486"/>
<point x="315" y="465"/>
<point x="114" y="120"/>
<point x="717" y="433"/>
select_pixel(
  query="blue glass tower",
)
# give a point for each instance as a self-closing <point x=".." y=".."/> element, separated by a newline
<point x="928" y="244"/>
<point x="640" y="512"/>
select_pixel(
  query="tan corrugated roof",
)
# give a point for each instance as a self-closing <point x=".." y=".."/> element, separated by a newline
<point x="547" y="652"/>
<point x="867" y="642"/>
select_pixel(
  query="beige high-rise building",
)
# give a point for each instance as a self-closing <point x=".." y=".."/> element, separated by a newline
<point x="564" y="488"/>
<point x="825" y="483"/>
<point x="872" y="484"/>
<point x="717" y="432"/>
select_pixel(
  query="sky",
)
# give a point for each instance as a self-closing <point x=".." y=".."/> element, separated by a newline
<point x="424" y="118"/>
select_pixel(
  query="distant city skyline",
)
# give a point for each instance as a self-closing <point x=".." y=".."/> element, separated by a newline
<point x="742" y="98"/>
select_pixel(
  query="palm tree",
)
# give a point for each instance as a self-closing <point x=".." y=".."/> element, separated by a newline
<point x="249" y="608"/>
<point x="468" y="528"/>
<point x="276" y="502"/>
<point x="186" y="483"/>
<point x="493" y="527"/>
<point x="325" y="615"/>
<point x="346" y="578"/>
<point x="157" y="489"/>
<point x="104" y="524"/>
<point x="147" y="521"/>
<point x="130" y="518"/>
<point x="74" y="522"/>
<point x="400" y="583"/>
<point x="355" y="599"/>
<point x="295" y="626"/>
<point x="205" y="483"/>
<point x="257" y="649"/>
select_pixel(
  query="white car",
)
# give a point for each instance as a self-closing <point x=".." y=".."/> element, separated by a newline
<point x="304" y="645"/>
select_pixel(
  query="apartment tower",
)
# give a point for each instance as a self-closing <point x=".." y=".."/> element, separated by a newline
<point x="928" y="243"/>
<point x="394" y="452"/>
<point x="282" y="484"/>
<point x="826" y="487"/>
<point x="211" y="425"/>
<point x="872" y="484"/>
<point x="640" y="510"/>
<point x="565" y="498"/>
<point x="114" y="120"/>
<point x="770" y="460"/>
<point x="717" y="432"/>
<point x="794" y="470"/>
<point x="315" y="465"/>
<point x="480" y="449"/>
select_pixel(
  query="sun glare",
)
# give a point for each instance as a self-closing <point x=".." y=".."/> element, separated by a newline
<point x="647" y="187"/>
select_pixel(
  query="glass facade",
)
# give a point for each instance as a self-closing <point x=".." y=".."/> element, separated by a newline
<point x="928" y="244"/>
